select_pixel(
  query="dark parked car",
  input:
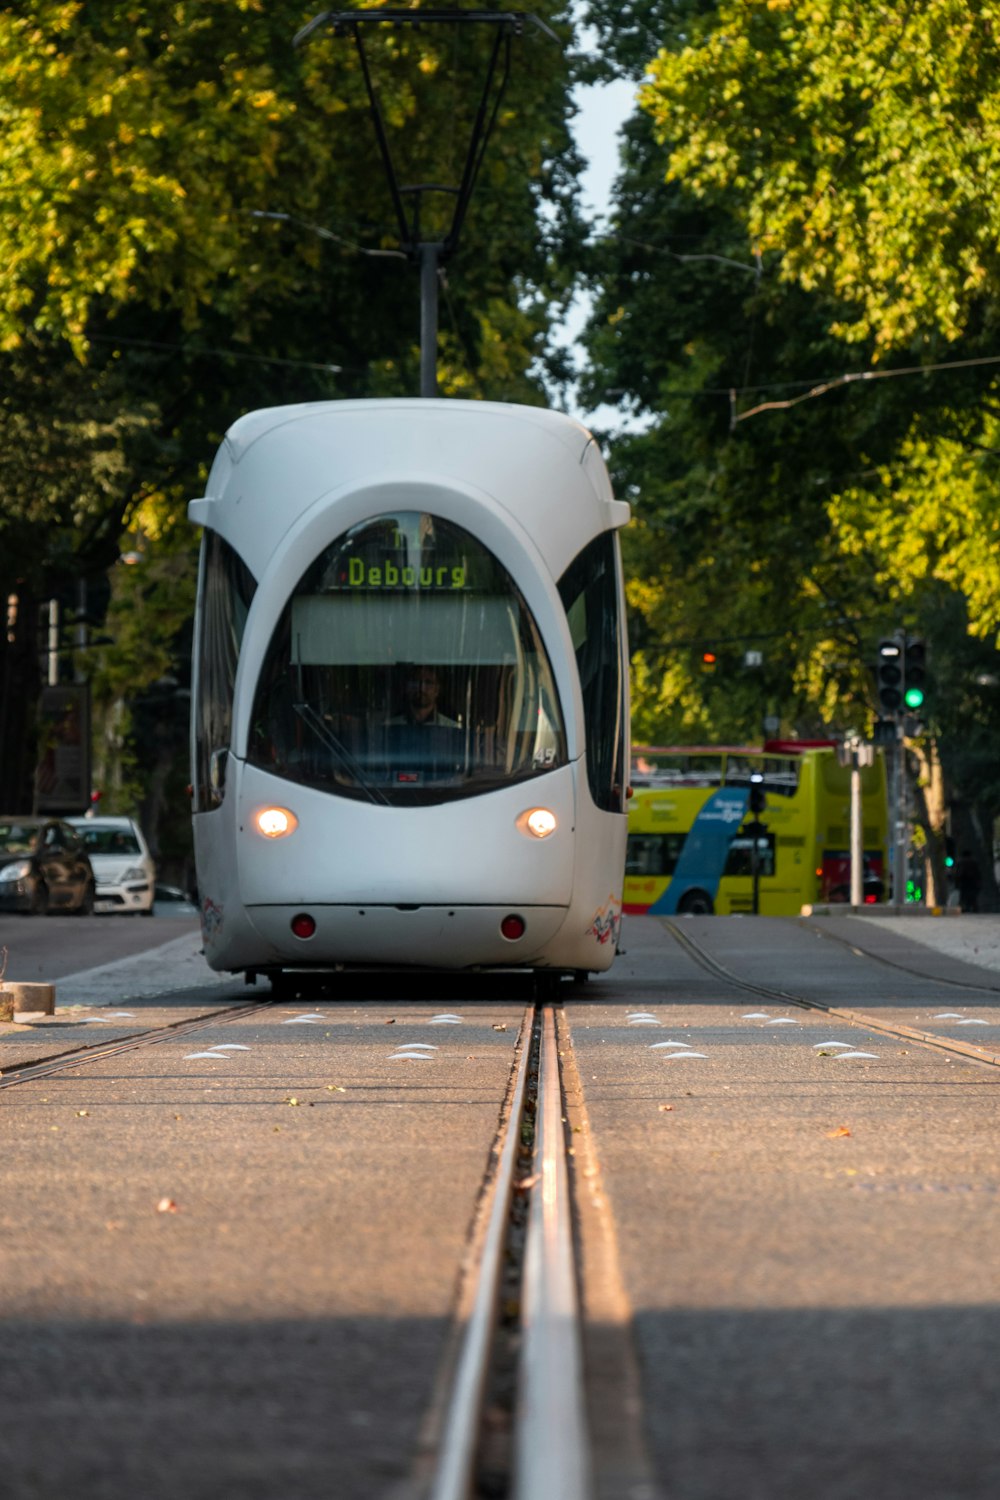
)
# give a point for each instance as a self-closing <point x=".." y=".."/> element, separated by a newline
<point x="43" y="867"/>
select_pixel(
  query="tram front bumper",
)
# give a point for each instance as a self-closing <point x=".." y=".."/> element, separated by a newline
<point x="438" y="936"/>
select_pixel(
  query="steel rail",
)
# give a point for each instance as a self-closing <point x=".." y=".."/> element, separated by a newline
<point x="24" y="1072"/>
<point x="551" y="1445"/>
<point x="854" y="1017"/>
<point x="460" y="1431"/>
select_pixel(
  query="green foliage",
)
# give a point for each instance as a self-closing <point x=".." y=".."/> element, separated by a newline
<point x="810" y="189"/>
<point x="861" y="144"/>
<point x="143" y="307"/>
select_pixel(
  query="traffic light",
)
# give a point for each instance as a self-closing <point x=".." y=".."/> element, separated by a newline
<point x="889" y="676"/>
<point x="914" y="675"/>
<point x="709" y="661"/>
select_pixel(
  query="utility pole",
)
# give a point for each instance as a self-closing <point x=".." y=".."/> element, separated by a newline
<point x="857" y="753"/>
<point x="857" y="833"/>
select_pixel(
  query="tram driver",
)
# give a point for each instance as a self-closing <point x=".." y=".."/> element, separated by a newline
<point x="421" y="692"/>
<point x="422" y="742"/>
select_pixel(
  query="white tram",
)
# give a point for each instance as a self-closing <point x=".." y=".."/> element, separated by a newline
<point x="410" y="720"/>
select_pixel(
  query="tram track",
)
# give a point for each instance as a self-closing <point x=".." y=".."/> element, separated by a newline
<point x="24" y="1072"/>
<point x="518" y="1327"/>
<point x="546" y="1449"/>
<point x="708" y="962"/>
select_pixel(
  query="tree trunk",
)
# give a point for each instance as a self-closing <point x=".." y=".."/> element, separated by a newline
<point x="929" y="793"/>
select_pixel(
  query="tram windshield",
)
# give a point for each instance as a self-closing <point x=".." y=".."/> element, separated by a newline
<point x="406" y="668"/>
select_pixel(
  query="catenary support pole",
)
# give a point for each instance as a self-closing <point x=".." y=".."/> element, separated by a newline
<point x="429" y="257"/>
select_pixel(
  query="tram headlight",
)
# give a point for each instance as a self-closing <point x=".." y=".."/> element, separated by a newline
<point x="537" y="821"/>
<point x="275" y="822"/>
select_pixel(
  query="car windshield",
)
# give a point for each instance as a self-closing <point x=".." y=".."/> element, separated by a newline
<point x="17" y="838"/>
<point x="98" y="840"/>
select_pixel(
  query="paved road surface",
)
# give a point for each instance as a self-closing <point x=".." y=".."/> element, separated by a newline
<point x="807" y="1240"/>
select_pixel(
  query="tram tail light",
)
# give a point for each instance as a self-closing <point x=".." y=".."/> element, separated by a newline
<point x="303" y="925"/>
<point x="539" y="822"/>
<point x="275" y="822"/>
<point x="512" y="927"/>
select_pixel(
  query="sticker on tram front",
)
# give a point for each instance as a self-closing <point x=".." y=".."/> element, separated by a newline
<point x="211" y="919"/>
<point x="607" y="923"/>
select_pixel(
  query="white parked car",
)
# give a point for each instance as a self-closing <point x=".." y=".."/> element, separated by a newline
<point x="123" y="866"/>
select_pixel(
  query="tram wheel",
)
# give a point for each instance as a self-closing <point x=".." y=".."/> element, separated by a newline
<point x="284" y="986"/>
<point x="548" y="984"/>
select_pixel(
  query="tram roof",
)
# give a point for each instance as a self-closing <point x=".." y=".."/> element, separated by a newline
<point x="540" y="466"/>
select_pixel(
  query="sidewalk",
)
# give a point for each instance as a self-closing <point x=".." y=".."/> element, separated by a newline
<point x="976" y="939"/>
<point x="966" y="939"/>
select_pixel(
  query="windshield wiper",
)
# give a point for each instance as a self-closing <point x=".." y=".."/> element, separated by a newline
<point x="323" y="732"/>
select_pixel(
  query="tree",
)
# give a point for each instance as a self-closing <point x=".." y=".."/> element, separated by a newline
<point x="860" y="142"/>
<point x="734" y="281"/>
<point x="143" y="307"/>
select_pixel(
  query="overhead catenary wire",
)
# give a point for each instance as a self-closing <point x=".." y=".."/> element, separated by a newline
<point x="852" y="377"/>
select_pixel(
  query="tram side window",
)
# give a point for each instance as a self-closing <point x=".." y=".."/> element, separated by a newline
<point x="225" y="590"/>
<point x="590" y="594"/>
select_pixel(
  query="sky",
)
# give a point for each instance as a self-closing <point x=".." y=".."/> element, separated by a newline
<point x="602" y="110"/>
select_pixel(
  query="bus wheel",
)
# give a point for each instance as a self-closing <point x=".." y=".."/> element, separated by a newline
<point x="696" y="904"/>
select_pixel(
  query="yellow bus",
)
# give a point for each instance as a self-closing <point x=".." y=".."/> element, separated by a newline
<point x="692" y="830"/>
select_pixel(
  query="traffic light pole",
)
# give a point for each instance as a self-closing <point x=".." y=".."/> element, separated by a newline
<point x="900" y="680"/>
<point x="757" y="802"/>
<point x="898" y="821"/>
<point x="902" y="819"/>
<point x="857" y="832"/>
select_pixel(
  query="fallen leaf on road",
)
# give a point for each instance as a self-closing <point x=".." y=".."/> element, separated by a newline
<point x="334" y="1088"/>
<point x="167" y="1206"/>
<point x="497" y="1027"/>
<point x="391" y="1022"/>
<point x="665" y="1108"/>
<point x="833" y="1135"/>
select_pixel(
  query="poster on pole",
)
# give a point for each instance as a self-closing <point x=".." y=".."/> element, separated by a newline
<point x="62" y="775"/>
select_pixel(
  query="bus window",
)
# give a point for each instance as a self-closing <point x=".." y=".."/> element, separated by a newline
<point x="653" y="853"/>
<point x="740" y="858"/>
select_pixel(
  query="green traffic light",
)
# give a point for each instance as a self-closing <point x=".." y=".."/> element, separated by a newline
<point x="914" y="697"/>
